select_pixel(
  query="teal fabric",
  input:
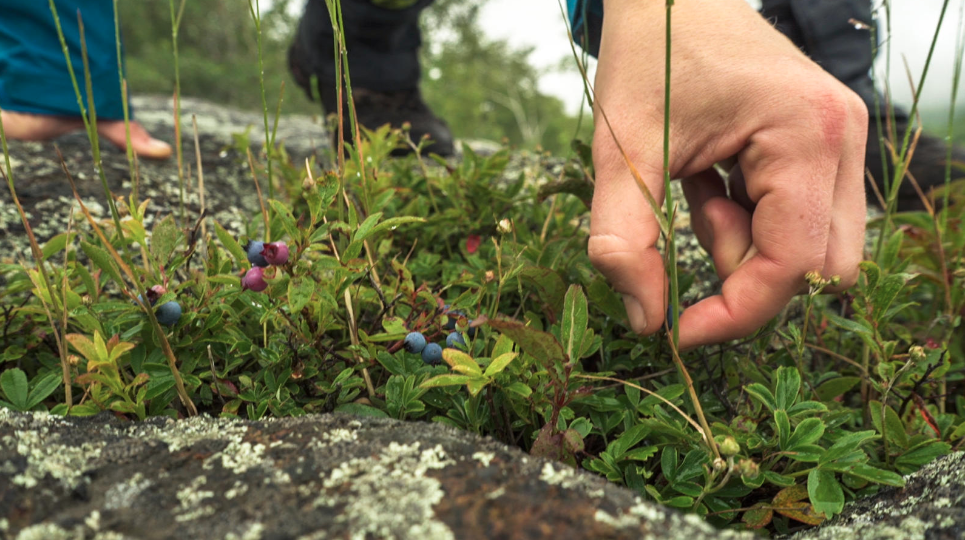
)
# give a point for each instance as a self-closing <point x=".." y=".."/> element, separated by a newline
<point x="33" y="72"/>
<point x="586" y="23"/>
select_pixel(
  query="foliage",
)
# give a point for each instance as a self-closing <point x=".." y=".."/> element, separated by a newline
<point x="831" y="401"/>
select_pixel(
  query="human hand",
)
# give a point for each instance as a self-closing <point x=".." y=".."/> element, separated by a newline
<point x="738" y="89"/>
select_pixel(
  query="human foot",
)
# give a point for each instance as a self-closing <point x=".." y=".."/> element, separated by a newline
<point x="40" y="127"/>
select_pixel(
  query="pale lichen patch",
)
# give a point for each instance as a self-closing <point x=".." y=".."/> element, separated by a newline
<point x="122" y="494"/>
<point x="190" y="501"/>
<point x="239" y="457"/>
<point x="46" y="456"/>
<point x="569" y="478"/>
<point x="253" y="532"/>
<point x="389" y="496"/>
<point x="484" y="457"/>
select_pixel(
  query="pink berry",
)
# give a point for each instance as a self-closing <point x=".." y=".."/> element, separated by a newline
<point x="276" y="253"/>
<point x="254" y="279"/>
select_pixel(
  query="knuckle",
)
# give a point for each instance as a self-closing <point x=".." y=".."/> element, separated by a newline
<point x="831" y="115"/>
<point x="606" y="251"/>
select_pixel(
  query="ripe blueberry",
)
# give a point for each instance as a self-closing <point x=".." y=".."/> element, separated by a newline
<point x="455" y="341"/>
<point x="255" y="256"/>
<point x="254" y="279"/>
<point x="169" y="313"/>
<point x="432" y="354"/>
<point x="276" y="253"/>
<point x="414" y="342"/>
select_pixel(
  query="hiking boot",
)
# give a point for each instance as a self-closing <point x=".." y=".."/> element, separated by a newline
<point x="375" y="109"/>
<point x="927" y="167"/>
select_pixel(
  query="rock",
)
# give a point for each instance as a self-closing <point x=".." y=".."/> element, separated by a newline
<point x="340" y="476"/>
<point x="312" y="477"/>
<point x="931" y="505"/>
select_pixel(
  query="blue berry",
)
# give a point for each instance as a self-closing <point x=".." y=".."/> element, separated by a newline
<point x="451" y="318"/>
<point x="670" y="317"/>
<point x="254" y="253"/>
<point x="414" y="342"/>
<point x="455" y="341"/>
<point x="472" y="330"/>
<point x="432" y="354"/>
<point x="169" y="313"/>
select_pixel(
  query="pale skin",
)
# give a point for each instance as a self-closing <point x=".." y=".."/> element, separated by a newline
<point x="40" y="127"/>
<point x="740" y="93"/>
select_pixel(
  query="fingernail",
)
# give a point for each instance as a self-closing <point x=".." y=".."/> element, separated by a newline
<point x="638" y="320"/>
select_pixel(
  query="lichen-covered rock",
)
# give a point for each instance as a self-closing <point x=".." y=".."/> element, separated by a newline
<point x="312" y="477"/>
<point x="930" y="506"/>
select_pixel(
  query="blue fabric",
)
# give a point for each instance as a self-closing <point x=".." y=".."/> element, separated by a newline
<point x="33" y="72"/>
<point x="586" y="23"/>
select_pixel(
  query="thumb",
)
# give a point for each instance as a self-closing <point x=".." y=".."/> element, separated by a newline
<point x="731" y="242"/>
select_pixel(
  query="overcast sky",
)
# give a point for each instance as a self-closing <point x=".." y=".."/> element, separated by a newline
<point x="538" y="23"/>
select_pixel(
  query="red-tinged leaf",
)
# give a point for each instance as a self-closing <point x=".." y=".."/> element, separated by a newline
<point x="797" y="492"/>
<point x="758" y="517"/>
<point x="540" y="345"/>
<point x="800" y="511"/>
<point x="926" y="414"/>
<point x="548" y="444"/>
<point x="472" y="243"/>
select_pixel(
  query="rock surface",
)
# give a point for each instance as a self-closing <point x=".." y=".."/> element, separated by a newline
<point x="338" y="476"/>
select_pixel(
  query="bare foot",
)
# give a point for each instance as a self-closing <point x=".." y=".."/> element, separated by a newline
<point x="40" y="127"/>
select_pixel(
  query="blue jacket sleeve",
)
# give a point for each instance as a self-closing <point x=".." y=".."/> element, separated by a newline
<point x="586" y="23"/>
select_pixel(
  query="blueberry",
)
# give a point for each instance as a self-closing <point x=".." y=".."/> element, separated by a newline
<point x="432" y="354"/>
<point x="455" y="341"/>
<point x="451" y="318"/>
<point x="169" y="313"/>
<point x="254" y="253"/>
<point x="670" y="317"/>
<point x="414" y="342"/>
<point x="275" y="253"/>
<point x="254" y="279"/>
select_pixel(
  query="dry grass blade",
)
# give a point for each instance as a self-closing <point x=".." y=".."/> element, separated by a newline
<point x="707" y="433"/>
<point x="682" y="414"/>
<point x="354" y="335"/>
<point x="197" y="154"/>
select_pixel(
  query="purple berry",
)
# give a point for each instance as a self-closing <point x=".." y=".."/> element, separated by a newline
<point x="255" y="256"/>
<point x="169" y="313"/>
<point x="455" y="341"/>
<point x="414" y="342"/>
<point x="276" y="253"/>
<point x="432" y="354"/>
<point x="254" y="279"/>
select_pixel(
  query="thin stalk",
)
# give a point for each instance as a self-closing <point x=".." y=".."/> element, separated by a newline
<point x="125" y="105"/>
<point x="175" y="26"/>
<point x="668" y="194"/>
<point x="255" y="10"/>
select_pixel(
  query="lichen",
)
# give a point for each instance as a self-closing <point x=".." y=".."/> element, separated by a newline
<point x="484" y="457"/>
<point x="569" y="478"/>
<point x="46" y="456"/>
<point x="122" y="494"/>
<point x="190" y="499"/>
<point x="389" y="496"/>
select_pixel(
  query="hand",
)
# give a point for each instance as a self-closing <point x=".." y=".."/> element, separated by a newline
<point x="738" y="89"/>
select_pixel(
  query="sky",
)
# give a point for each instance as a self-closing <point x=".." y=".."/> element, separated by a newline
<point x="538" y="23"/>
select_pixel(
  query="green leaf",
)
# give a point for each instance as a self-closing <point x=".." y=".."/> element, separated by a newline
<point x="871" y="274"/>
<point x="603" y="298"/>
<point x="835" y="387"/>
<point x="763" y="394"/>
<point x="461" y="362"/>
<point x="807" y="453"/>
<point x="232" y="245"/>
<point x="499" y="364"/>
<point x="890" y="253"/>
<point x="366" y="227"/>
<point x="893" y="427"/>
<point x="13" y="382"/>
<point x="806" y="407"/>
<point x="300" y="291"/>
<point x="520" y="389"/>
<point x="43" y="388"/>
<point x="786" y="387"/>
<point x="692" y="465"/>
<point x="282" y="213"/>
<point x="55" y="245"/>
<point x="547" y="284"/>
<point x="360" y="409"/>
<point x="783" y="427"/>
<point x="627" y="440"/>
<point x="102" y="260"/>
<point x="847" y="324"/>
<point x="887" y="292"/>
<point x="573" y="324"/>
<point x="446" y="380"/>
<point x="668" y="463"/>
<point x="807" y="432"/>
<point x="920" y="454"/>
<point x="540" y="345"/>
<point x="888" y="478"/>
<point x="164" y="239"/>
<point x="825" y="492"/>
<point x="846" y="444"/>
<point x="390" y="223"/>
<point x="778" y="479"/>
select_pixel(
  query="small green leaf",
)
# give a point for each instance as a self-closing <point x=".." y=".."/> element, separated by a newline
<point x="300" y="291"/>
<point x="887" y="291"/>
<point x="43" y="388"/>
<point x="786" y="387"/>
<point x="540" y="345"/>
<point x="499" y="364"/>
<point x="871" y="274"/>
<point x="846" y="444"/>
<point x="165" y="238"/>
<point x="847" y="324"/>
<point x="547" y="283"/>
<point x="763" y="394"/>
<point x="573" y="324"/>
<point x="893" y="427"/>
<point x="360" y="409"/>
<point x="446" y="380"/>
<point x="102" y="260"/>
<point x="232" y="245"/>
<point x="783" y="427"/>
<point x="520" y="389"/>
<point x="461" y="362"/>
<point x="825" y="492"/>
<point x="807" y="432"/>
<point x="878" y="476"/>
<point x="835" y="387"/>
<point x="13" y="382"/>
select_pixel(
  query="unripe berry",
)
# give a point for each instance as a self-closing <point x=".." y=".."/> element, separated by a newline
<point x="432" y="354"/>
<point x="414" y="342"/>
<point x="169" y="313"/>
<point x="254" y="279"/>
<point x="276" y="253"/>
<point x="255" y="256"/>
<point x="729" y="446"/>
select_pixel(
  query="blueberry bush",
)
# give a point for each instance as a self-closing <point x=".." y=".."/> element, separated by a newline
<point x="459" y="291"/>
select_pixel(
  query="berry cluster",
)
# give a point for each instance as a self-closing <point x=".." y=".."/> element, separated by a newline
<point x="416" y="343"/>
<point x="261" y="255"/>
<point x="167" y="313"/>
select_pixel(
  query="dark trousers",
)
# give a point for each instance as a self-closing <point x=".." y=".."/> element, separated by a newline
<point x="383" y="42"/>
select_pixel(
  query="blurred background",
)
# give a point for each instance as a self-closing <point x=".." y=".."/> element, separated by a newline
<point x="494" y="69"/>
